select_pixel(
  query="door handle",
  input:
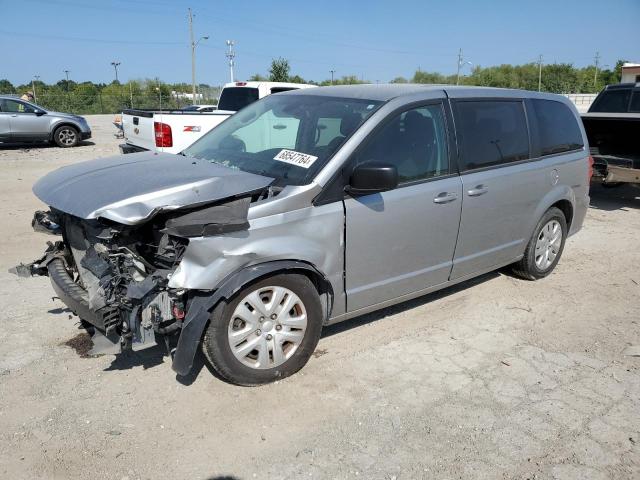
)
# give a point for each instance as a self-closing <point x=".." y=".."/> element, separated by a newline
<point x="445" y="197"/>
<point x="14" y="115"/>
<point x="477" y="191"/>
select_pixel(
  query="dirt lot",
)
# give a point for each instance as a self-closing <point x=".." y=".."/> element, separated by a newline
<point x="496" y="378"/>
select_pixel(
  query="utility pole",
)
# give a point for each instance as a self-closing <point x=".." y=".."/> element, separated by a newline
<point x="459" y="66"/>
<point x="540" y="73"/>
<point x="66" y="72"/>
<point x="231" y="55"/>
<point x="193" y="58"/>
<point x="194" y="44"/>
<point x="595" y="75"/>
<point x="33" y="87"/>
<point x="115" y="66"/>
<point x="332" y="72"/>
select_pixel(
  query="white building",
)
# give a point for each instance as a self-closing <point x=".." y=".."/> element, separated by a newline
<point x="630" y="73"/>
<point x="187" y="96"/>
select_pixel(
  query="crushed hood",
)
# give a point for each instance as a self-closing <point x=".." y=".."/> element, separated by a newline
<point x="130" y="189"/>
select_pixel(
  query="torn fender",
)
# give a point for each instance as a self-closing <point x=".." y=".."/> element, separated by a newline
<point x="202" y="303"/>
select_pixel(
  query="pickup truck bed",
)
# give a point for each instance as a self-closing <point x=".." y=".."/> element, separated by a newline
<point x="178" y="129"/>
<point x="614" y="136"/>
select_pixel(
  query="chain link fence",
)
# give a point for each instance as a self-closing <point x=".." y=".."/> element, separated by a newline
<point x="96" y="103"/>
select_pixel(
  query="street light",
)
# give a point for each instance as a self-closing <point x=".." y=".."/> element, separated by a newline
<point x="115" y="67"/>
<point x="193" y="66"/>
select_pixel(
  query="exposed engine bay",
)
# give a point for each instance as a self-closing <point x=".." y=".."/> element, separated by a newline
<point x="115" y="277"/>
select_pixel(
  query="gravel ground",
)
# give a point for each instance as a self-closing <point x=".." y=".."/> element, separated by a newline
<point x="495" y="378"/>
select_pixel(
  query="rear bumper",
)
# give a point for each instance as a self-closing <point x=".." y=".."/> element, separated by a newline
<point x="128" y="148"/>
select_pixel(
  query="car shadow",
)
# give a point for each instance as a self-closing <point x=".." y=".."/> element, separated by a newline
<point x="200" y="362"/>
<point x="39" y="145"/>
<point x="148" y="358"/>
<point x="154" y="356"/>
<point x="408" y="305"/>
<point x="616" y="198"/>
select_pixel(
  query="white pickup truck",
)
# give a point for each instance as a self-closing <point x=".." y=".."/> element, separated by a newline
<point x="172" y="131"/>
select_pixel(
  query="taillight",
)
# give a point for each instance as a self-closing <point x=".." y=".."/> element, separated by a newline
<point x="590" y="174"/>
<point x="240" y="84"/>
<point x="163" y="134"/>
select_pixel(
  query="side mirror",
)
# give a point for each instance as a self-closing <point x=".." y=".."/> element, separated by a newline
<point x="39" y="113"/>
<point x="370" y="177"/>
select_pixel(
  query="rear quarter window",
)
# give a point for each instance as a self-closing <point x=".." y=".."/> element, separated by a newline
<point x="491" y="132"/>
<point x="634" y="106"/>
<point x="612" y="101"/>
<point x="558" y="129"/>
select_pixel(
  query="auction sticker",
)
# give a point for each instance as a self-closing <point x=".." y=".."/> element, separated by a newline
<point x="295" y="158"/>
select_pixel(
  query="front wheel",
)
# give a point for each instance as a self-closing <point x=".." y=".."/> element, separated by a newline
<point x="267" y="331"/>
<point x="66" y="136"/>
<point x="545" y="247"/>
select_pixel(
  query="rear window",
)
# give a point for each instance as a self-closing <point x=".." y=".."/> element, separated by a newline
<point x="634" y="106"/>
<point x="492" y="132"/>
<point x="236" y="98"/>
<point x="558" y="129"/>
<point x="613" y="101"/>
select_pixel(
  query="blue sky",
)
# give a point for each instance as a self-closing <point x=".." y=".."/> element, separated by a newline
<point x="374" y="39"/>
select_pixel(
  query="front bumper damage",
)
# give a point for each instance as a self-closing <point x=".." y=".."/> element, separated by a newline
<point x="114" y="278"/>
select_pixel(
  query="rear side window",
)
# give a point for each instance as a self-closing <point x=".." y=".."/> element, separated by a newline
<point x="634" y="106"/>
<point x="558" y="129"/>
<point x="614" y="101"/>
<point x="491" y="132"/>
<point x="236" y="98"/>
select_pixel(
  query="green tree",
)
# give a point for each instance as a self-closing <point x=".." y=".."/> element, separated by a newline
<point x="428" y="77"/>
<point x="6" y="86"/>
<point x="297" y="79"/>
<point x="279" y="71"/>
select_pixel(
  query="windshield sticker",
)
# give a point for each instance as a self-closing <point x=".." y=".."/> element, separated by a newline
<point x="295" y="158"/>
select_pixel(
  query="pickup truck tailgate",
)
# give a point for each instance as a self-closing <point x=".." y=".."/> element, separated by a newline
<point x="138" y="128"/>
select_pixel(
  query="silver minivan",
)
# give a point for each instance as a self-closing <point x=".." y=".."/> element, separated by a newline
<point x="308" y="208"/>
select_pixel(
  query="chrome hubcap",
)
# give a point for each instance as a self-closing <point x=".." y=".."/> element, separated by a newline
<point x="267" y="327"/>
<point x="67" y="136"/>
<point x="548" y="244"/>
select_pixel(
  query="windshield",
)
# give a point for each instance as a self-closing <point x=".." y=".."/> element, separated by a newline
<point x="236" y="98"/>
<point x="287" y="137"/>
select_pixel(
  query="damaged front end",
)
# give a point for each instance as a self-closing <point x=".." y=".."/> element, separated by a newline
<point x="113" y="277"/>
<point x="124" y="224"/>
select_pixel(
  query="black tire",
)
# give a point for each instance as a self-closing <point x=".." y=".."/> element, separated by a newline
<point x="66" y="136"/>
<point x="217" y="350"/>
<point x="526" y="268"/>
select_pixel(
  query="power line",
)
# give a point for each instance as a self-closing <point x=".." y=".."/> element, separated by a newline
<point x="86" y="39"/>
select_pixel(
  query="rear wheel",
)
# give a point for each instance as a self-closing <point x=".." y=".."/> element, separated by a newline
<point x="66" y="136"/>
<point x="267" y="331"/>
<point x="545" y="248"/>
